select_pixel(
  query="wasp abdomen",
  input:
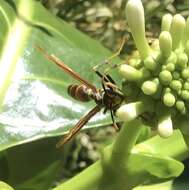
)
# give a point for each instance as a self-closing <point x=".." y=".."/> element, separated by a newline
<point x="79" y="92"/>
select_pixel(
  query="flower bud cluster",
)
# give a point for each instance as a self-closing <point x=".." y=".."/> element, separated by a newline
<point x="159" y="73"/>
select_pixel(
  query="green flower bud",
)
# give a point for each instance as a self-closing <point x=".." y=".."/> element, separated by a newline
<point x="165" y="77"/>
<point x="164" y="67"/>
<point x="135" y="18"/>
<point x="181" y="106"/>
<point x="177" y="29"/>
<point x="165" y="43"/>
<point x="169" y="99"/>
<point x="187" y="48"/>
<point x="185" y="94"/>
<point x="182" y="60"/>
<point x="165" y="127"/>
<point x="186" y="86"/>
<point x="166" y="90"/>
<point x="185" y="73"/>
<point x="145" y="73"/>
<point x="172" y="58"/>
<point x="186" y="33"/>
<point x="130" y="111"/>
<point x="150" y="63"/>
<point x="170" y="67"/>
<point x="135" y="63"/>
<point x="166" y="22"/>
<point x="149" y="87"/>
<point x="130" y="73"/>
<point x="176" y="85"/>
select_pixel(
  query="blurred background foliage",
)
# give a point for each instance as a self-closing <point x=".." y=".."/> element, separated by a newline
<point x="104" y="20"/>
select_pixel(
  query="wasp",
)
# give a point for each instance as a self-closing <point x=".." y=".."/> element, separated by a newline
<point x="109" y="97"/>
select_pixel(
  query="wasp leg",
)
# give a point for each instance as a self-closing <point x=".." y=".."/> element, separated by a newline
<point x="108" y="60"/>
<point x="114" y="123"/>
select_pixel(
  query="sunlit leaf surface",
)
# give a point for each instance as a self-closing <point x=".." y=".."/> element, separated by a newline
<point x="33" y="91"/>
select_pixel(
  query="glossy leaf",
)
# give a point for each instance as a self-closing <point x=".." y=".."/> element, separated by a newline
<point x="33" y="90"/>
<point x="163" y="186"/>
<point x="168" y="185"/>
<point x="34" y="165"/>
<point x="156" y="167"/>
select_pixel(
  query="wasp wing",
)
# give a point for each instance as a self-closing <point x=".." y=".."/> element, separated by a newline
<point x="67" y="69"/>
<point x="78" y="126"/>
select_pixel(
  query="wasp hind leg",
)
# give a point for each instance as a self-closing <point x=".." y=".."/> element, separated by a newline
<point x="116" y="127"/>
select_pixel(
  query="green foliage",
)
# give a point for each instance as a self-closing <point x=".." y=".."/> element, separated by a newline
<point x="149" y="162"/>
<point x="30" y="164"/>
<point x="34" y="100"/>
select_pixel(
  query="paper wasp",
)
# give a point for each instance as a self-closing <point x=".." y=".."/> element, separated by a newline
<point x="109" y="98"/>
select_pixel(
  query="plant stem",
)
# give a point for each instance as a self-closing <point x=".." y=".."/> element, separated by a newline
<point x="91" y="177"/>
<point x="87" y="180"/>
<point x="116" y="163"/>
<point x="125" y="141"/>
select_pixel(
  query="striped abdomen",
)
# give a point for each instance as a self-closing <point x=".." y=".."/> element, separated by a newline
<point x="79" y="92"/>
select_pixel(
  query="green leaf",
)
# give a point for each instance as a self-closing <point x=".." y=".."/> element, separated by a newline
<point x="33" y="91"/>
<point x="155" y="160"/>
<point x="155" y="167"/>
<point x="163" y="186"/>
<point x="34" y="165"/>
<point x="4" y="186"/>
<point x="168" y="185"/>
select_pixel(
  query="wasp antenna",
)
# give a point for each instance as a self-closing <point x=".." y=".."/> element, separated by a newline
<point x="39" y="48"/>
<point x="111" y="57"/>
<point x="119" y="50"/>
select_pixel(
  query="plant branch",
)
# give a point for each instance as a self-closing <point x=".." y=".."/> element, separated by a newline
<point x="91" y="177"/>
<point x="125" y="141"/>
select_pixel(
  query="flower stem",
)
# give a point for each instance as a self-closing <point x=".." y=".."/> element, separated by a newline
<point x="91" y="177"/>
<point x="125" y="141"/>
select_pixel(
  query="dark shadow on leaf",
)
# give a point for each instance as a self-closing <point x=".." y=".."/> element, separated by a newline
<point x="12" y="4"/>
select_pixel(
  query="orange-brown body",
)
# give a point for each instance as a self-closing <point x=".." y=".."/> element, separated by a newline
<point x="79" y="92"/>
